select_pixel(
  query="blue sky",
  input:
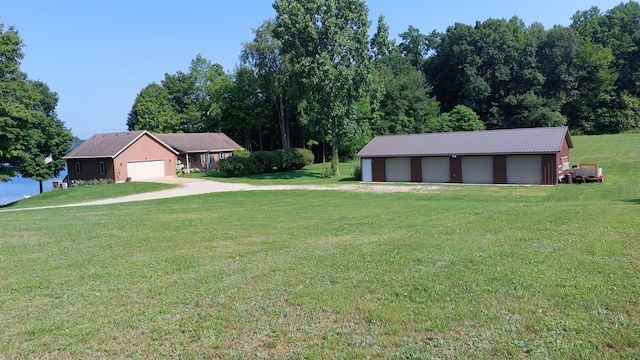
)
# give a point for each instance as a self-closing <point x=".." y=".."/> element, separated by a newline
<point x="97" y="55"/>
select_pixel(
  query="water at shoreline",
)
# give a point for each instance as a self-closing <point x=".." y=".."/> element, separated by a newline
<point x="18" y="188"/>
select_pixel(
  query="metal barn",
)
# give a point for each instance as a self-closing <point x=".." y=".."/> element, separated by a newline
<point x="511" y="156"/>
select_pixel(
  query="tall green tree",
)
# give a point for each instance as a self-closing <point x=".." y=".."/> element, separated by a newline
<point x="619" y="30"/>
<point x="327" y="45"/>
<point x="381" y="44"/>
<point x="30" y="130"/>
<point x="415" y="46"/>
<point x="264" y="56"/>
<point x="406" y="106"/>
<point x="183" y="102"/>
<point x="460" y="118"/>
<point x="151" y="111"/>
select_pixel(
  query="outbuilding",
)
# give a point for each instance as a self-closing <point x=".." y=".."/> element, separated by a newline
<point x="508" y="156"/>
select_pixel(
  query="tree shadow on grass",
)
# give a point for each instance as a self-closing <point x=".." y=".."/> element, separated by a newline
<point x="633" y="201"/>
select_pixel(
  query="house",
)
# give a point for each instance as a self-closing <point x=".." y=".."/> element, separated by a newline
<point x="200" y="150"/>
<point x="121" y="156"/>
<point x="510" y="156"/>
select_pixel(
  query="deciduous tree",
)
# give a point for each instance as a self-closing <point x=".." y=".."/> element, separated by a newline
<point x="327" y="45"/>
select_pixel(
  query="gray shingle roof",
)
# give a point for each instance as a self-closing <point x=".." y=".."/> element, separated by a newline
<point x="105" y="145"/>
<point x="488" y="142"/>
<point x="199" y="142"/>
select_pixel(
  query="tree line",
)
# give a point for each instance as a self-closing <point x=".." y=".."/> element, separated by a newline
<point x="312" y="77"/>
<point x="33" y="139"/>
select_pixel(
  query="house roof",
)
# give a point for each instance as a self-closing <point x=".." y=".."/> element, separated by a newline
<point x="199" y="142"/>
<point x="488" y="142"/>
<point x="109" y="145"/>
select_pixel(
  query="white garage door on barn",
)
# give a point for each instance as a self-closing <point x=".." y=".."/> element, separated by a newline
<point x="398" y="169"/>
<point x="477" y="169"/>
<point x="436" y="170"/>
<point x="140" y="170"/>
<point x="524" y="169"/>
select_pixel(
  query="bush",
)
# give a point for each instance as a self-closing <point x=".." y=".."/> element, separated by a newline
<point x="265" y="161"/>
<point x="102" y="181"/>
<point x="237" y="166"/>
<point x="244" y="163"/>
<point x="357" y="173"/>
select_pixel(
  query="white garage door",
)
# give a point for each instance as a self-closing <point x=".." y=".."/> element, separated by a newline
<point x="524" y="169"/>
<point x="367" y="174"/>
<point x="477" y="169"/>
<point x="436" y="170"/>
<point x="140" y="170"/>
<point x="398" y="169"/>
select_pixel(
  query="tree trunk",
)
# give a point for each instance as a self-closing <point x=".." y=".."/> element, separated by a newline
<point x="40" y="181"/>
<point x="335" y="159"/>
<point x="284" y="124"/>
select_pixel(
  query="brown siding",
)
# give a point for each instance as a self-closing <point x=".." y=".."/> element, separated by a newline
<point x="90" y="169"/>
<point x="145" y="148"/>
<point x="416" y="169"/>
<point x="549" y="169"/>
<point x="499" y="169"/>
<point x="456" y="169"/>
<point x="378" y="170"/>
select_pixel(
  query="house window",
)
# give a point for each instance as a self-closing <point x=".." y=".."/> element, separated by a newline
<point x="102" y="169"/>
<point x="221" y="156"/>
<point x="77" y="166"/>
<point x="205" y="158"/>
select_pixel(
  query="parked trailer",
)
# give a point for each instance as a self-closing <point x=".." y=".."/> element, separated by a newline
<point x="587" y="172"/>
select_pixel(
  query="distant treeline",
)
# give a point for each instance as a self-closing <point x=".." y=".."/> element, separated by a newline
<point x="312" y="77"/>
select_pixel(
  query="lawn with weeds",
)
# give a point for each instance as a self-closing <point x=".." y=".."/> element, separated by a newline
<point x="466" y="272"/>
<point x="80" y="194"/>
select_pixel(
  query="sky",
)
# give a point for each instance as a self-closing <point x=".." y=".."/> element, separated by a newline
<point x="98" y="54"/>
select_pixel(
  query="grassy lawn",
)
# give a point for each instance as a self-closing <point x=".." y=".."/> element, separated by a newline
<point x="467" y="272"/>
<point x="307" y="176"/>
<point x="86" y="193"/>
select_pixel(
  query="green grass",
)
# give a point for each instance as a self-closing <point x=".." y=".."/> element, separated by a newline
<point x="85" y="193"/>
<point x="307" y="176"/>
<point x="468" y="272"/>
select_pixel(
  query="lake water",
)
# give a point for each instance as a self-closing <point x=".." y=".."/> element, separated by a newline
<point x="18" y="187"/>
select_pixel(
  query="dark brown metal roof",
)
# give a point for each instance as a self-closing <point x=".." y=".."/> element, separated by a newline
<point x="107" y="145"/>
<point x="199" y="142"/>
<point x="488" y="142"/>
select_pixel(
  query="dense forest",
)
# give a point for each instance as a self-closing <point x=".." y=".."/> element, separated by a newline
<point x="313" y="77"/>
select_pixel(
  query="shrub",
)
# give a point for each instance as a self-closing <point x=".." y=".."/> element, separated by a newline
<point x="102" y="181"/>
<point x="357" y="172"/>
<point x="265" y="161"/>
<point x="237" y="166"/>
<point x="245" y="163"/>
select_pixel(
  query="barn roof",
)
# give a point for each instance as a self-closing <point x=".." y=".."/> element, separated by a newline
<point x="108" y="145"/>
<point x="199" y="142"/>
<point x="488" y="142"/>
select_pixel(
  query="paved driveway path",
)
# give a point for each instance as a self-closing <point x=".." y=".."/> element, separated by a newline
<point x="189" y="186"/>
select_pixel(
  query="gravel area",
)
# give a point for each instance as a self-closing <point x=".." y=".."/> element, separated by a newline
<point x="198" y="186"/>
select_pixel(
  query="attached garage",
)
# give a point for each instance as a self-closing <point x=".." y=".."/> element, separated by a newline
<point x="398" y="169"/>
<point x="436" y="169"/>
<point x="140" y="170"/>
<point x="524" y="169"/>
<point x="477" y="169"/>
